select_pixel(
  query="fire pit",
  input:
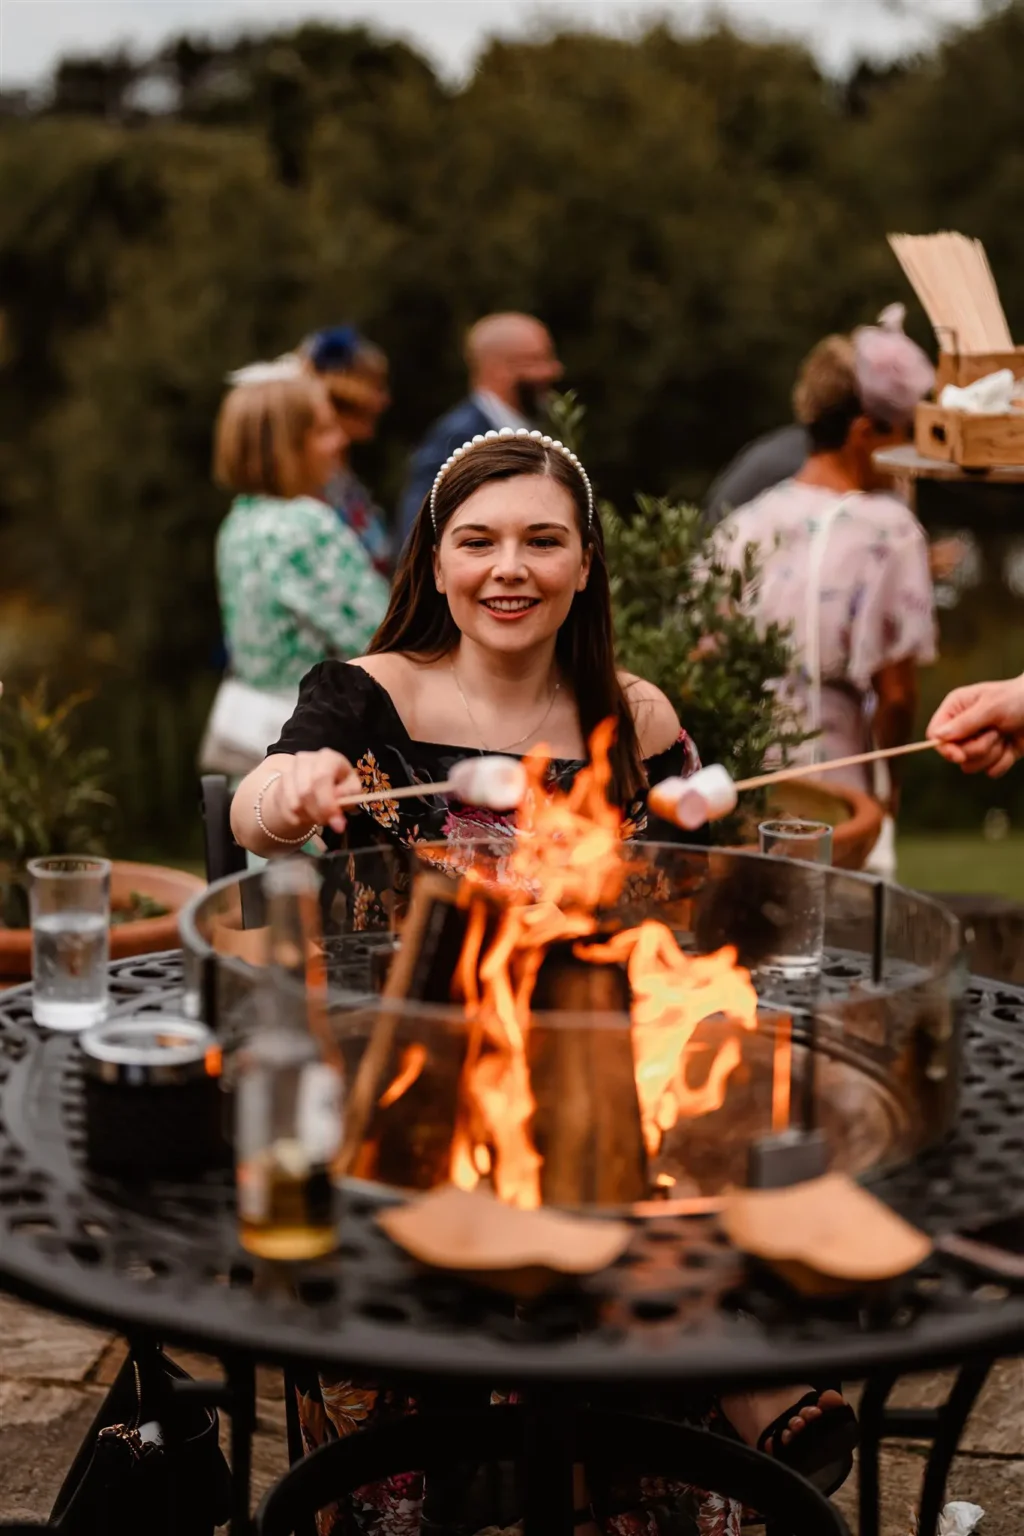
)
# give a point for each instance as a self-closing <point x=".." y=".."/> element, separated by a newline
<point x="622" y="1042"/>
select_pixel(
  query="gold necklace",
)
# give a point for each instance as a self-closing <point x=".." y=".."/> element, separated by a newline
<point x="529" y="734"/>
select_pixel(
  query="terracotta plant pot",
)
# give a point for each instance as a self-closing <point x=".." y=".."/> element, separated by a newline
<point x="172" y="888"/>
<point x="856" y="817"/>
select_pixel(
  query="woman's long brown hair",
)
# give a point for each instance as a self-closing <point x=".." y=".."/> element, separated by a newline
<point x="419" y="621"/>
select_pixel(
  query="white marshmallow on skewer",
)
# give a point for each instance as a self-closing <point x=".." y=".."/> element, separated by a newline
<point x="498" y="783"/>
<point x="707" y="795"/>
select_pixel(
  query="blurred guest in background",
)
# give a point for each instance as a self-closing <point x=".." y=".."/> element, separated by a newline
<point x="355" y="373"/>
<point x="843" y="562"/>
<point x="295" y="583"/>
<point x="775" y="457"/>
<point x="781" y="455"/>
<point x="512" y="366"/>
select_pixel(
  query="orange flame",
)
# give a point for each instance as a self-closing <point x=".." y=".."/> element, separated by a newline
<point x="782" y="1074"/>
<point x="672" y="994"/>
<point x="566" y="865"/>
<point x="413" y="1059"/>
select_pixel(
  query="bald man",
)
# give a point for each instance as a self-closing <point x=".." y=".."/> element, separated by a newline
<point x="512" y="365"/>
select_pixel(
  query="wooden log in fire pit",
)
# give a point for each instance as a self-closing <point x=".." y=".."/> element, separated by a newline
<point x="406" y="1142"/>
<point x="587" y="1122"/>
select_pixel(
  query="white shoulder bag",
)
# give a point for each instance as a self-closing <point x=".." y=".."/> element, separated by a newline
<point x="243" y="722"/>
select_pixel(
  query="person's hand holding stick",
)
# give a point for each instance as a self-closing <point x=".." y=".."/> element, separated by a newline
<point x="981" y="727"/>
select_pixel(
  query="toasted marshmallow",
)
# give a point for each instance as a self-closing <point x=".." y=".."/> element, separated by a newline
<point x="705" y="796"/>
<point x="499" y="783"/>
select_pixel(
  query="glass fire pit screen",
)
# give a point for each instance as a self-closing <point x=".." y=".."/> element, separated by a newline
<point x="613" y="1026"/>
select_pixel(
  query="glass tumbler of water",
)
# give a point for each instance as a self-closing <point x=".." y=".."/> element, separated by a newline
<point x="797" y="893"/>
<point x="70" y="904"/>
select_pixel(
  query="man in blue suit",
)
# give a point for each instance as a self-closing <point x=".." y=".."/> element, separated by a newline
<point x="512" y="365"/>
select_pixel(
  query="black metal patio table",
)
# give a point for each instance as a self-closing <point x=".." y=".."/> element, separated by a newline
<point x="680" y="1310"/>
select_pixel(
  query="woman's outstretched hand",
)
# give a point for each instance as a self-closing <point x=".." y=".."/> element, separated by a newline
<point x="310" y="786"/>
<point x="981" y="727"/>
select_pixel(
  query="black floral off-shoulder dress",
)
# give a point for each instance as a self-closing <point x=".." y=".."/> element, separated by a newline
<point x="341" y="706"/>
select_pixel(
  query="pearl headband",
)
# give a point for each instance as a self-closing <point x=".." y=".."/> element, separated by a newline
<point x="511" y="435"/>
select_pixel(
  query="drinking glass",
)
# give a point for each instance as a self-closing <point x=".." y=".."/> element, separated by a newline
<point x="798" y="903"/>
<point x="70" y="906"/>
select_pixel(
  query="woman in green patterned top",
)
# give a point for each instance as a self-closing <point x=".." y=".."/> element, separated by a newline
<point x="295" y="584"/>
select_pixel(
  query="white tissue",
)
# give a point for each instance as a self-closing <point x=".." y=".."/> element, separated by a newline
<point x="960" y="1519"/>
<point x="990" y="396"/>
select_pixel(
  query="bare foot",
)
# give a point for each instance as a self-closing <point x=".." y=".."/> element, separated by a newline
<point x="750" y="1413"/>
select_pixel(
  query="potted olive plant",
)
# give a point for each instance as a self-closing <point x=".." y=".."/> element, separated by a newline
<point x="52" y="802"/>
<point x="680" y="621"/>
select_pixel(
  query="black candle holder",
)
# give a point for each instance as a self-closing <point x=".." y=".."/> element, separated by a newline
<point x="153" y="1101"/>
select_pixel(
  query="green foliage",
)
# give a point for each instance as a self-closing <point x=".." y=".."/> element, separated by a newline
<point x="139" y="908"/>
<point x="680" y="622"/>
<point x="52" y="799"/>
<point x="565" y="418"/>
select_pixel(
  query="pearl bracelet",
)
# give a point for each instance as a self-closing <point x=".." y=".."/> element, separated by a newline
<point x="285" y="842"/>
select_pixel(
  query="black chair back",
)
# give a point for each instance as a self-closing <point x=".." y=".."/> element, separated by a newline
<point x="442" y="1443"/>
<point x="223" y="855"/>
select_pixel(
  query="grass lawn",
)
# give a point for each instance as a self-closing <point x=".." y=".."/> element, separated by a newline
<point x="962" y="862"/>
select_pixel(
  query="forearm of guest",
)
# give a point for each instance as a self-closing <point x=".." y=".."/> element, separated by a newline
<point x="276" y="818"/>
<point x="894" y="722"/>
<point x="897" y="694"/>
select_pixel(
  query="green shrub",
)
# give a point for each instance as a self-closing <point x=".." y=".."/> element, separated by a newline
<point x="680" y="623"/>
<point x="52" y="799"/>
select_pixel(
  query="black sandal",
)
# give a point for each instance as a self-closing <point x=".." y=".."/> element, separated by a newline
<point x="823" y="1450"/>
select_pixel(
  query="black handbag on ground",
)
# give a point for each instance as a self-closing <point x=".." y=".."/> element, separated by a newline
<point x="133" y="1474"/>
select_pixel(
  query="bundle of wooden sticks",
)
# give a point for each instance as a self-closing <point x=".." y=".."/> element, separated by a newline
<point x="953" y="280"/>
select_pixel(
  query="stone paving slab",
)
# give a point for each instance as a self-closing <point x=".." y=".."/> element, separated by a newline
<point x="34" y="1457"/>
<point x="54" y="1375"/>
<point x="996" y="1427"/>
<point x="996" y="1485"/>
<point x="41" y="1346"/>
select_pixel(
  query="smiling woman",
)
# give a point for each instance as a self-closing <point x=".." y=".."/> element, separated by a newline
<point x="498" y="638"/>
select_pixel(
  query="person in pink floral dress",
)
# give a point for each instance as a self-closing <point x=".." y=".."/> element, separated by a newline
<point x="843" y="562"/>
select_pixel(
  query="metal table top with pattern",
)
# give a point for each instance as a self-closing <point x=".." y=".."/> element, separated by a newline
<point x="680" y="1307"/>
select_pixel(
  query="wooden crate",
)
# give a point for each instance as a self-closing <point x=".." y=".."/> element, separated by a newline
<point x="963" y="368"/>
<point x="973" y="442"/>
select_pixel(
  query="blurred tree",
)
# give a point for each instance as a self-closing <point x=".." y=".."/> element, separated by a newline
<point x="665" y="220"/>
<point x="94" y="86"/>
<point x="944" y="149"/>
<point x="120" y="462"/>
<point x="283" y="91"/>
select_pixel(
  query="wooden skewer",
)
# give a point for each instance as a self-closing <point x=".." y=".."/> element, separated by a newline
<point x="804" y="771"/>
<point x="953" y="280"/>
<point x="812" y="770"/>
<point x="406" y="792"/>
<point x="426" y="892"/>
